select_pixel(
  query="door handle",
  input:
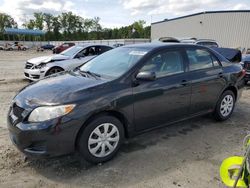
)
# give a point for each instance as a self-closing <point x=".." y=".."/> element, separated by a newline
<point x="184" y="82"/>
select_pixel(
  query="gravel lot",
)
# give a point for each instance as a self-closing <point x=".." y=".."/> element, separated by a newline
<point x="187" y="154"/>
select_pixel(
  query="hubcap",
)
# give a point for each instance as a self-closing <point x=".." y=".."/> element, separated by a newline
<point x="103" y="140"/>
<point x="226" y="106"/>
<point x="53" y="71"/>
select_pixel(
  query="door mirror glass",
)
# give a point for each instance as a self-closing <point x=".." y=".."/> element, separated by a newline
<point x="146" y="76"/>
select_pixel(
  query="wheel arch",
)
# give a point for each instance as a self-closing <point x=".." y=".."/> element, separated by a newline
<point x="233" y="89"/>
<point x="56" y="66"/>
<point x="113" y="113"/>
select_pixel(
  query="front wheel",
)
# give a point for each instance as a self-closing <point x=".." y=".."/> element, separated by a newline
<point x="225" y="106"/>
<point x="101" y="139"/>
<point x="54" y="70"/>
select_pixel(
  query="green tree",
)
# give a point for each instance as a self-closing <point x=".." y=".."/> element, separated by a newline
<point x="6" y="21"/>
<point x="30" y="24"/>
<point x="68" y="26"/>
<point x="48" y="19"/>
<point x="138" y="29"/>
<point x="56" y="26"/>
<point x="39" y="20"/>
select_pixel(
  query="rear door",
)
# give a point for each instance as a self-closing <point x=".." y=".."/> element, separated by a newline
<point x="207" y="79"/>
<point x="165" y="99"/>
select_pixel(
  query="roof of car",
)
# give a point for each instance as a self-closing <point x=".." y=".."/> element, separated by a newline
<point x="91" y="44"/>
<point x="154" y="45"/>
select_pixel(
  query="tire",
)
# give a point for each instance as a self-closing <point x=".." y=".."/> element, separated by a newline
<point x="24" y="49"/>
<point x="228" y="100"/>
<point x="100" y="151"/>
<point x="246" y="81"/>
<point x="54" y="70"/>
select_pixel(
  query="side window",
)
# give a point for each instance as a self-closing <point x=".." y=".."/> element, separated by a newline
<point x="165" y="63"/>
<point x="199" y="59"/>
<point x="90" y="51"/>
<point x="98" y="50"/>
<point x="104" y="49"/>
<point x="81" y="53"/>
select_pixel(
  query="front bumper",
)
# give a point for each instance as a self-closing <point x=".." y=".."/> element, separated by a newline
<point x="46" y="139"/>
<point x="34" y="74"/>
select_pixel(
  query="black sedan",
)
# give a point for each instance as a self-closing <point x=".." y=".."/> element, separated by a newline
<point x="48" y="47"/>
<point x="119" y="94"/>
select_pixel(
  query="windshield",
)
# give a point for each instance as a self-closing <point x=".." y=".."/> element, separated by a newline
<point x="72" y="51"/>
<point x="115" y="62"/>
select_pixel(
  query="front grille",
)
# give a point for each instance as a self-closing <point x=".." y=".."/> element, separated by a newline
<point x="28" y="65"/>
<point x="247" y="65"/>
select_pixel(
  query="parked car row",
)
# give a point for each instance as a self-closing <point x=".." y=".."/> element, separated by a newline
<point x="118" y="94"/>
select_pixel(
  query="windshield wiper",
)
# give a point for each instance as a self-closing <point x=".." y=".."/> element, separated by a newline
<point x="95" y="75"/>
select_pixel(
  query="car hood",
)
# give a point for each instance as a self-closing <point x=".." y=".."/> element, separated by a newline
<point x="47" y="59"/>
<point x="62" y="88"/>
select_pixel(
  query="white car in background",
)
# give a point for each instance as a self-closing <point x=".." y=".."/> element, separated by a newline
<point x="69" y="59"/>
<point x="10" y="47"/>
<point x="203" y="42"/>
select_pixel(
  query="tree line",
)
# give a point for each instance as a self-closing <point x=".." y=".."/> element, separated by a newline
<point x="69" y="26"/>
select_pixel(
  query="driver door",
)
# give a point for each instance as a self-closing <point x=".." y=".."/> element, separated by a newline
<point x="165" y="99"/>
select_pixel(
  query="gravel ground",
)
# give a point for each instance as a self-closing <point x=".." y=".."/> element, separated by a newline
<point x="187" y="154"/>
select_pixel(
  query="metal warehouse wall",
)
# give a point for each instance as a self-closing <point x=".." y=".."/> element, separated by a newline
<point x="230" y="29"/>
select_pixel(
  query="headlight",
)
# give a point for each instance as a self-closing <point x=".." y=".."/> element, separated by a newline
<point x="49" y="112"/>
<point x="40" y="66"/>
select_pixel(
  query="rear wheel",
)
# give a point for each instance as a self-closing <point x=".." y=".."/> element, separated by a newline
<point x="225" y="106"/>
<point x="246" y="81"/>
<point x="54" y="70"/>
<point x="101" y="139"/>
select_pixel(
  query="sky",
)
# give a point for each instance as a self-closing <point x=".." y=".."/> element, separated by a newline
<point x="117" y="13"/>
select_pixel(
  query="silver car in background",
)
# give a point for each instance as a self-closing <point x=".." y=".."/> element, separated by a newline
<point x="69" y="59"/>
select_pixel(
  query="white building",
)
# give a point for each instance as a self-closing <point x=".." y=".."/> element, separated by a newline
<point x="228" y="28"/>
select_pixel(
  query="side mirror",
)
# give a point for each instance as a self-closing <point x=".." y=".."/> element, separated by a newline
<point x="146" y="76"/>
